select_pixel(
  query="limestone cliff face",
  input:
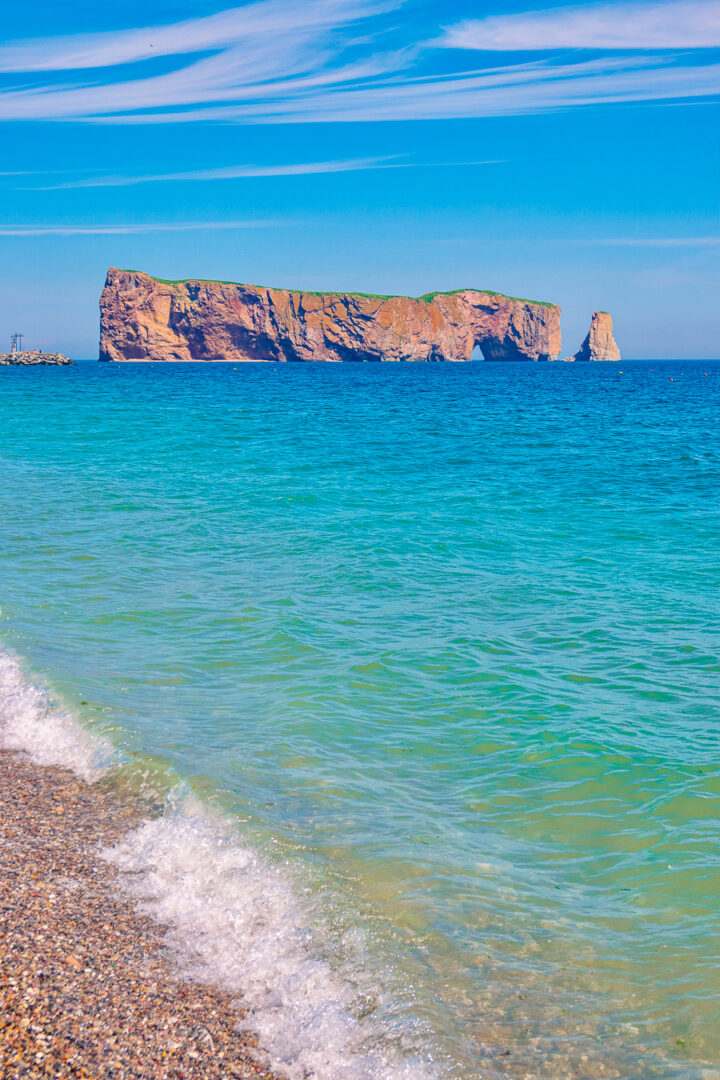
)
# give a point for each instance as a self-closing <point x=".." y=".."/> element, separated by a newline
<point x="142" y="318"/>
<point x="599" y="343"/>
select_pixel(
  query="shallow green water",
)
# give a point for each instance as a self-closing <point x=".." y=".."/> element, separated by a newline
<point x="441" y="642"/>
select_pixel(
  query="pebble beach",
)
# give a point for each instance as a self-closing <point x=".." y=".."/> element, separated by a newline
<point x="86" y="990"/>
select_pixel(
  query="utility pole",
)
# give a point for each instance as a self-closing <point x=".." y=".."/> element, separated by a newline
<point x="16" y="343"/>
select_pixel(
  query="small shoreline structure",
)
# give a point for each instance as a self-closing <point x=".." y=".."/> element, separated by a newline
<point x="19" y="356"/>
<point x="88" y="991"/>
<point x="148" y="319"/>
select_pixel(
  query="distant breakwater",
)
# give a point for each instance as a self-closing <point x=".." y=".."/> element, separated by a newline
<point x="18" y="359"/>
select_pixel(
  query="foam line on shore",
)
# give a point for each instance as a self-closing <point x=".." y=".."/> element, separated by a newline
<point x="234" y="920"/>
<point x="47" y="733"/>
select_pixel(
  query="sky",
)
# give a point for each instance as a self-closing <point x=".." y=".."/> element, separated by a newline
<point x="567" y="153"/>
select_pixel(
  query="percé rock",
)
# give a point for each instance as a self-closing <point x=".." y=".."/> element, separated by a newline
<point x="143" y="318"/>
<point x="599" y="343"/>
<point x="28" y="357"/>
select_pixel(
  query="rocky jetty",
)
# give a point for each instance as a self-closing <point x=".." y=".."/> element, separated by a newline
<point x="28" y="356"/>
<point x="143" y="318"/>
<point x="599" y="343"/>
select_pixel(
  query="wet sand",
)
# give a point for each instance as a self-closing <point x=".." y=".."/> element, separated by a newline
<point x="85" y="989"/>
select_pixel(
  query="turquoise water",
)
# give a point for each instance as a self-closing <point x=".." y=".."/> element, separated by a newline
<point x="438" y="643"/>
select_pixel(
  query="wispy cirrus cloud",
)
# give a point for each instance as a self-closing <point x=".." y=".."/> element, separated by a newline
<point x="264" y="21"/>
<point x="267" y="48"/>
<point x="230" y="172"/>
<point x="673" y="24"/>
<point x="131" y="229"/>
<point x="500" y="91"/>
<point x="275" y="61"/>
<point x="236" y="172"/>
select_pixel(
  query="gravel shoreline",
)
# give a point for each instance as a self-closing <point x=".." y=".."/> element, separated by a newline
<point x="85" y="989"/>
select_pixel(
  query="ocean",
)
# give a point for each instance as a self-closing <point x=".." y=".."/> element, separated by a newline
<point x="417" y="668"/>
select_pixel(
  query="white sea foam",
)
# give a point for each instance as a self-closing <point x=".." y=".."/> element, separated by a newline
<point x="49" y="735"/>
<point x="236" y="921"/>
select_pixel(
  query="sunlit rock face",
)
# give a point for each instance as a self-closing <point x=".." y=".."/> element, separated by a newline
<point x="599" y="343"/>
<point x="143" y="318"/>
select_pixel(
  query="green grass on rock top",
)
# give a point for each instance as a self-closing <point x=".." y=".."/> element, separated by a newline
<point x="426" y="298"/>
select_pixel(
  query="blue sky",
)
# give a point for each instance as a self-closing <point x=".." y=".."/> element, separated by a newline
<point x="568" y="153"/>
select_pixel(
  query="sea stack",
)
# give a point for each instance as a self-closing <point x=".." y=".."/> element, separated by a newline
<point x="599" y="343"/>
<point x="144" y="318"/>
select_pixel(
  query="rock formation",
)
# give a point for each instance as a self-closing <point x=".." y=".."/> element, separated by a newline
<point x="599" y="343"/>
<point x="143" y="318"/>
<point x="27" y="356"/>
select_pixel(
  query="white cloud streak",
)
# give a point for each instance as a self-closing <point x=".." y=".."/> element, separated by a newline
<point x="231" y="172"/>
<point x="122" y="230"/>
<point x="269" y="48"/>
<point x="276" y="61"/>
<point x="512" y="90"/>
<point x="263" y="21"/>
<point x="236" y="172"/>
<point x="675" y="24"/>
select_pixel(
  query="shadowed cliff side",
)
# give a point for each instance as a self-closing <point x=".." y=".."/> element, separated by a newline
<point x="143" y="318"/>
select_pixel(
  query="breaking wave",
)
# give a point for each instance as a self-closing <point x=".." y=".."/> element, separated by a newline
<point x="234" y="919"/>
<point x="48" y="734"/>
